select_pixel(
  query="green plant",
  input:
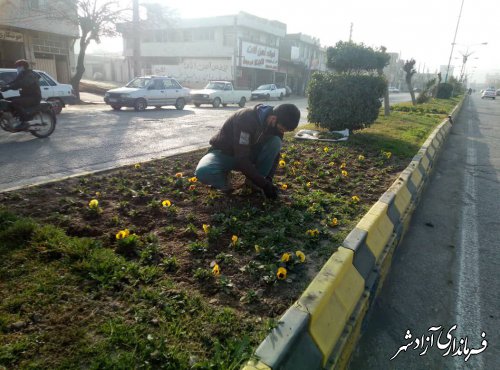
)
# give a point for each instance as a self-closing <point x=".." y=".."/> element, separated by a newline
<point x="198" y="247"/>
<point x="171" y="264"/>
<point x="202" y="274"/>
<point x="339" y="102"/>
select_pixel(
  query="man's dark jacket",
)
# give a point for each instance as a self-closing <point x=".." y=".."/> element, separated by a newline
<point x="27" y="84"/>
<point x="241" y="132"/>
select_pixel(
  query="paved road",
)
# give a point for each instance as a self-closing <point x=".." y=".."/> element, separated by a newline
<point x="446" y="272"/>
<point x="94" y="137"/>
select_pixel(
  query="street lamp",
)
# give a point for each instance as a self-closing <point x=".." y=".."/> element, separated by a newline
<point x="453" y="43"/>
<point x="465" y="57"/>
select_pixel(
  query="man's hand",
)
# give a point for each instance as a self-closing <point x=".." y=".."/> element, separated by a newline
<point x="270" y="190"/>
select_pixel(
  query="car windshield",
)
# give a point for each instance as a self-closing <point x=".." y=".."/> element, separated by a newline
<point x="139" y="82"/>
<point x="264" y="87"/>
<point x="215" y="85"/>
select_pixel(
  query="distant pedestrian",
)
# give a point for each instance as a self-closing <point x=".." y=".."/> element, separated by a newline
<point x="249" y="141"/>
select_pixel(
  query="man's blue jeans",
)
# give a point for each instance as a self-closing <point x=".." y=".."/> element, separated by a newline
<point x="215" y="165"/>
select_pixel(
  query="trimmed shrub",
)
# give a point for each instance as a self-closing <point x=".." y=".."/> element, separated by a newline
<point x="444" y="91"/>
<point x="338" y="101"/>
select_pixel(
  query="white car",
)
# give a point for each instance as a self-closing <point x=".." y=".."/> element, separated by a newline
<point x="52" y="91"/>
<point x="146" y="91"/>
<point x="488" y="94"/>
<point x="393" y="90"/>
<point x="220" y="92"/>
<point x="268" y="91"/>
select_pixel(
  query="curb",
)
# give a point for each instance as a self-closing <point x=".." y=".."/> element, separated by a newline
<point x="323" y="326"/>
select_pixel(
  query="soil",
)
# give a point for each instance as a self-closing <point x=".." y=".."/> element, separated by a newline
<point x="130" y="198"/>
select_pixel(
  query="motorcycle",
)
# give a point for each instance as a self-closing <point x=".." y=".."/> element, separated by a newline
<point x="38" y="120"/>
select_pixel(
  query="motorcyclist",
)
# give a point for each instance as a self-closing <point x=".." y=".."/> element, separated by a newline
<point x="30" y="94"/>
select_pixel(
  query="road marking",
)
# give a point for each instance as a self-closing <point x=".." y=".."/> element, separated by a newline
<point x="468" y="304"/>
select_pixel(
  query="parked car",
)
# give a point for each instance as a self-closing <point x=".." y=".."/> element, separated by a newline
<point x="268" y="91"/>
<point x="146" y="91"/>
<point x="393" y="90"/>
<point x="488" y="94"/>
<point x="288" y="89"/>
<point x="52" y="91"/>
<point x="220" y="92"/>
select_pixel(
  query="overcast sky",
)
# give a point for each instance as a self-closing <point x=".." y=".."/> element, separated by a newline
<point x="419" y="29"/>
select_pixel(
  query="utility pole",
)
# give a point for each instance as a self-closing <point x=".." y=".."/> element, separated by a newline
<point x="453" y="43"/>
<point x="350" y="32"/>
<point x="136" y="38"/>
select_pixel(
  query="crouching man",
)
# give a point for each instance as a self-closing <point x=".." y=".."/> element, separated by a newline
<point x="250" y="142"/>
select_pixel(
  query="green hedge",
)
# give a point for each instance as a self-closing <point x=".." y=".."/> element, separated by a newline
<point x="340" y="101"/>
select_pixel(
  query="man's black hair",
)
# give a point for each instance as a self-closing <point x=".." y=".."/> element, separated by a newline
<point x="288" y="115"/>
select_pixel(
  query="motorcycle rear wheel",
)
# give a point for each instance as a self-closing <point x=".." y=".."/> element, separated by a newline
<point x="45" y="123"/>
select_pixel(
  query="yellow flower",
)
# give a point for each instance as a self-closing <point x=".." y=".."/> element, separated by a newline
<point x="192" y="187"/>
<point x="285" y="257"/>
<point x="206" y="228"/>
<point x="344" y="173"/>
<point x="282" y="163"/>
<point x="343" y="165"/>
<point x="313" y="232"/>
<point x="257" y="248"/>
<point x="94" y="204"/>
<point x="234" y="240"/>
<point x="137" y="165"/>
<point x="97" y="194"/>
<point x="355" y="198"/>
<point x="284" y="186"/>
<point x="308" y="184"/>
<point x="166" y="203"/>
<point x="216" y="270"/>
<point x="325" y="149"/>
<point x="122" y="234"/>
<point x="331" y="164"/>
<point x="297" y="163"/>
<point x="193" y="179"/>
<point x="283" y="155"/>
<point x="388" y="154"/>
<point x="335" y="222"/>
<point x="361" y="157"/>
<point x="281" y="274"/>
<point x="301" y="256"/>
<point x="178" y="174"/>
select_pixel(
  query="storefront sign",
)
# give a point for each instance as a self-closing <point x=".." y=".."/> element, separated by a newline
<point x="11" y="36"/>
<point x="258" y="56"/>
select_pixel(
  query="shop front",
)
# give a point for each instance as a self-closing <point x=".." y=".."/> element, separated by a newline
<point x="11" y="47"/>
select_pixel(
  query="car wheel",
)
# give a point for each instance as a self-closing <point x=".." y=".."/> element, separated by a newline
<point x="197" y="105"/>
<point x="116" y="107"/>
<point x="216" y="103"/>
<point x="57" y="105"/>
<point x="180" y="103"/>
<point x="140" y="105"/>
<point x="242" y="102"/>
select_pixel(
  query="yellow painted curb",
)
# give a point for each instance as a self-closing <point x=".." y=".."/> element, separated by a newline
<point x="379" y="227"/>
<point x="331" y="298"/>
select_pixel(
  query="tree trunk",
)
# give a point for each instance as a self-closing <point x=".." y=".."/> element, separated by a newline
<point x="80" y="67"/>
<point x="412" y="93"/>
<point x="387" y="107"/>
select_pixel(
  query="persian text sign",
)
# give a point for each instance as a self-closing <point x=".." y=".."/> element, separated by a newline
<point x="11" y="36"/>
<point x="258" y="56"/>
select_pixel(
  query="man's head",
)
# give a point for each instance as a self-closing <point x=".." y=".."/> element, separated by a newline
<point x="285" y="117"/>
<point x="21" y="65"/>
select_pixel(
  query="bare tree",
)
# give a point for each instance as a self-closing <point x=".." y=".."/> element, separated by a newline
<point x="409" y="68"/>
<point x="383" y="60"/>
<point x="95" y="19"/>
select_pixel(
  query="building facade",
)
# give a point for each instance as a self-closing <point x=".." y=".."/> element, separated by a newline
<point x="241" y="48"/>
<point x="30" y="30"/>
<point x="300" y="56"/>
